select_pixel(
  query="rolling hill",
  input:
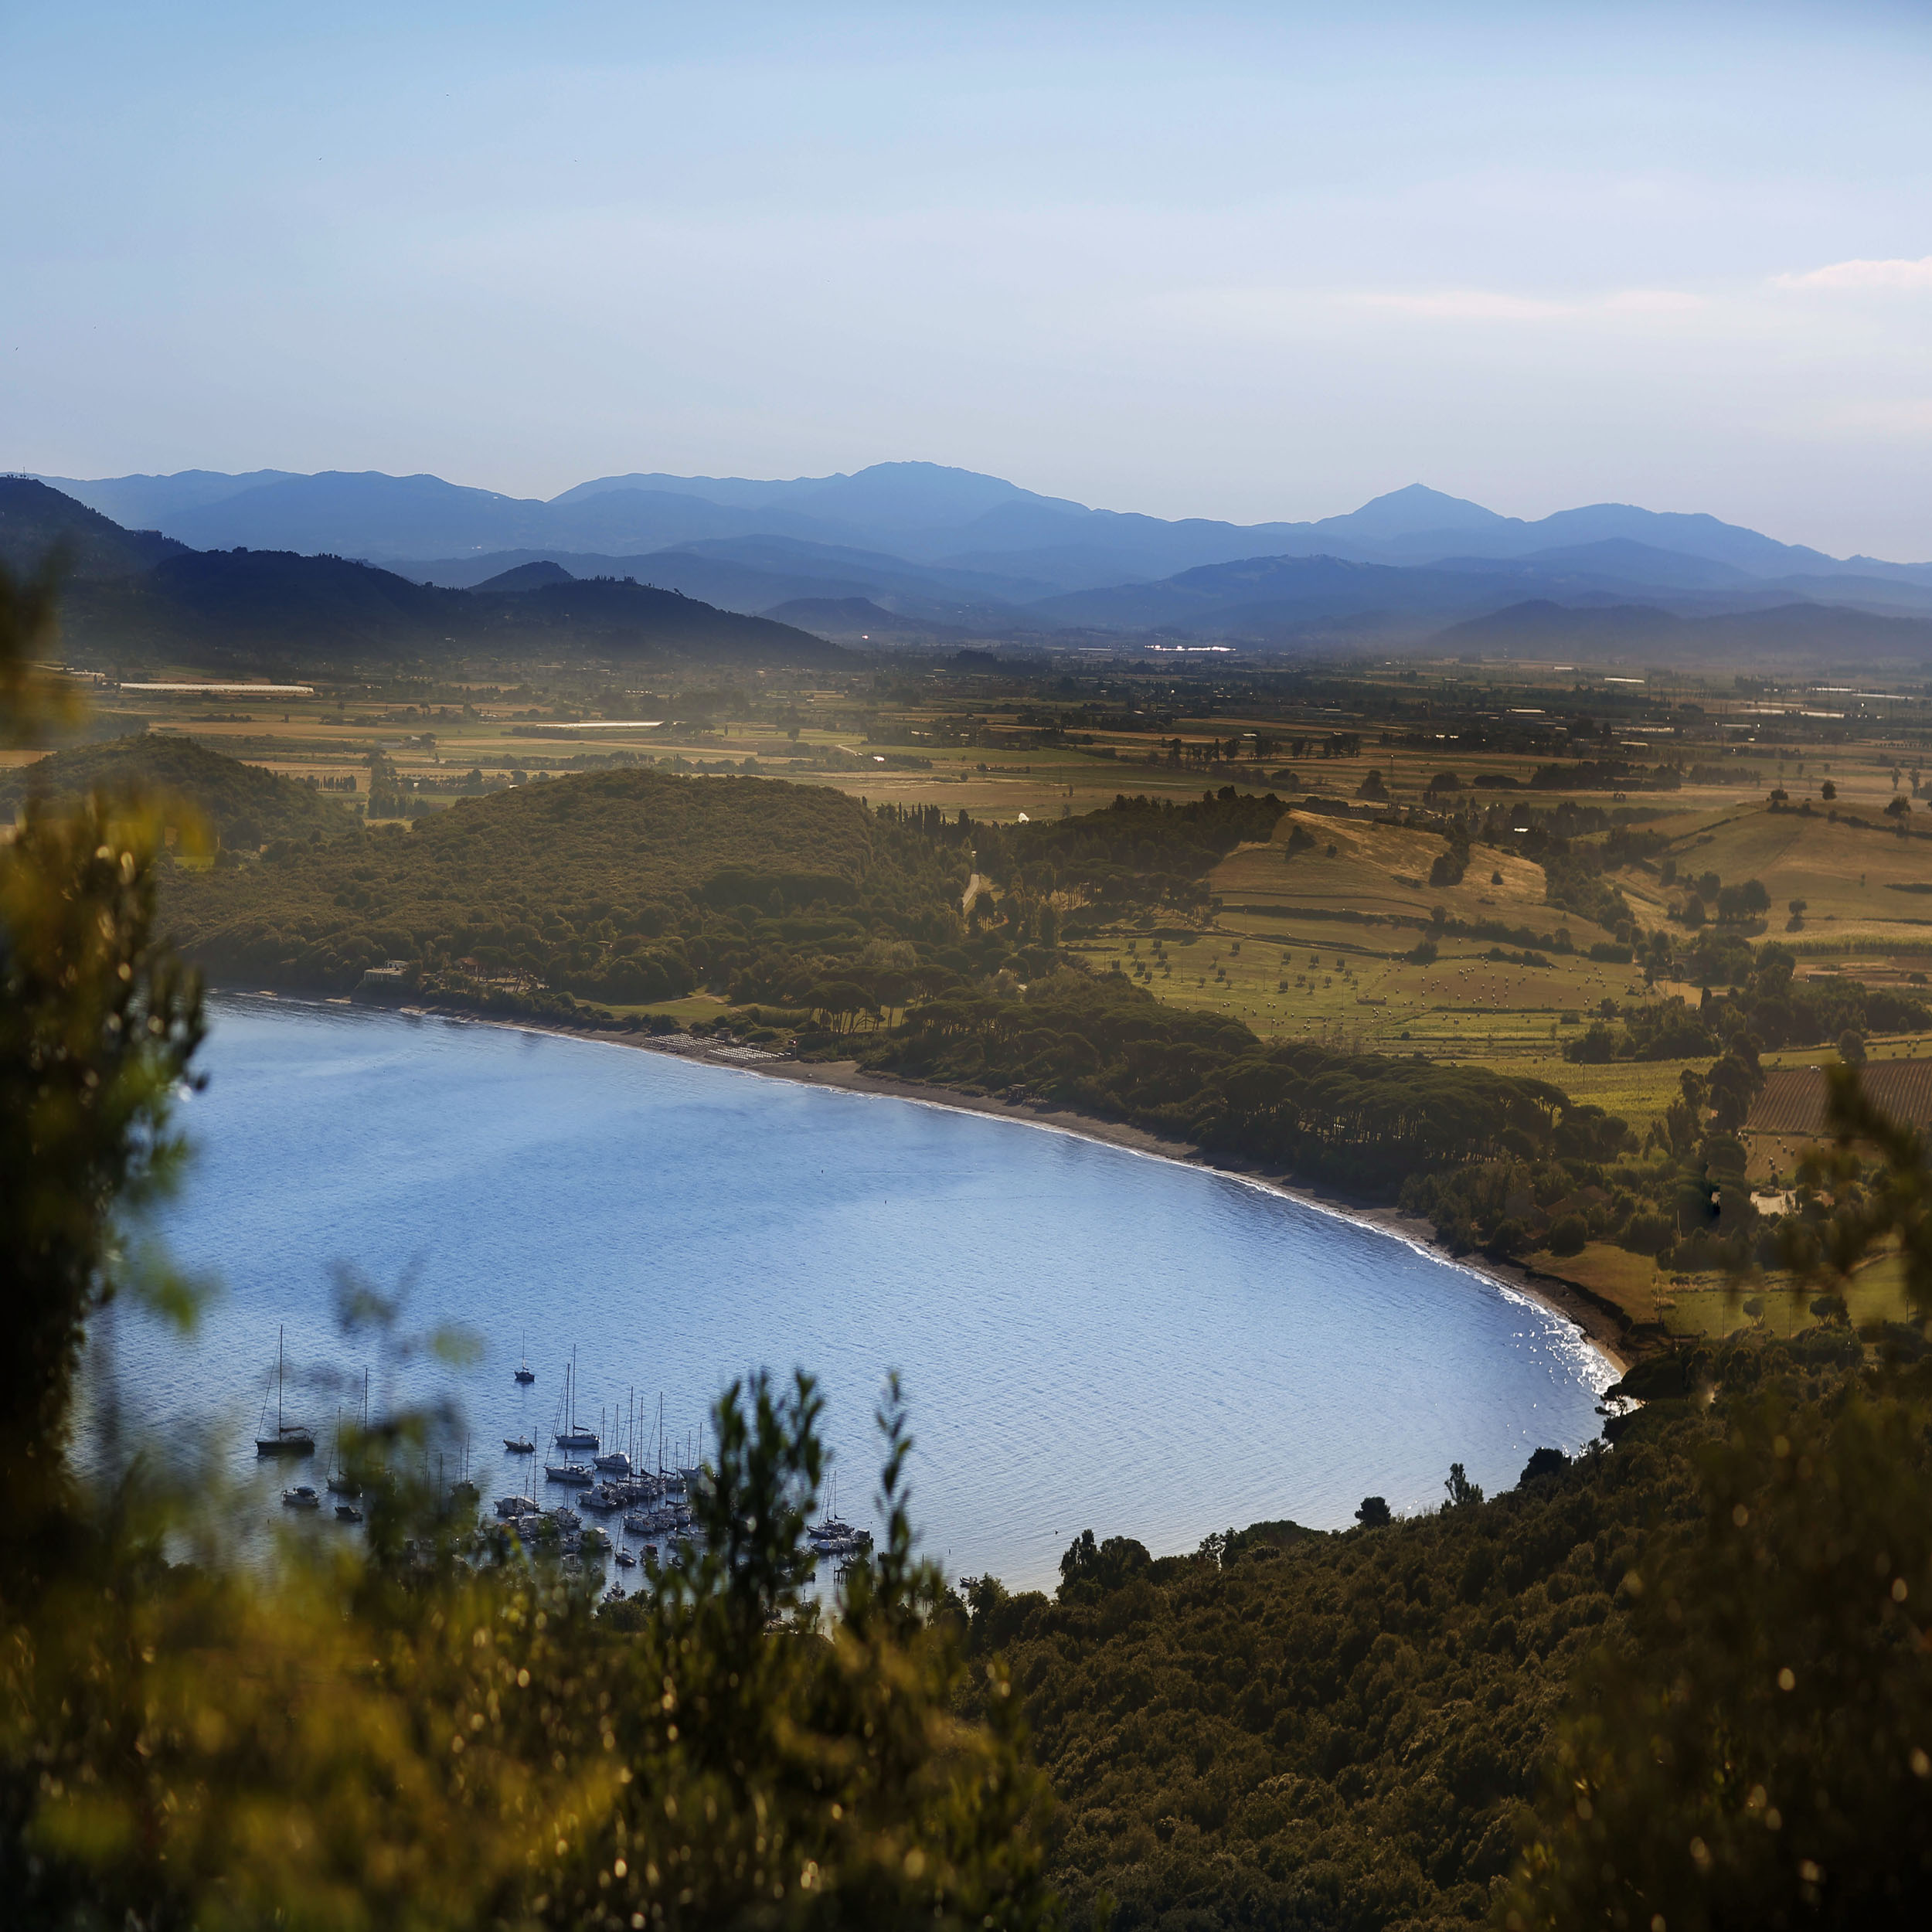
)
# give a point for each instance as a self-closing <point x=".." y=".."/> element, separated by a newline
<point x="34" y="519"/>
<point x="245" y="805"/>
<point x="144" y="597"/>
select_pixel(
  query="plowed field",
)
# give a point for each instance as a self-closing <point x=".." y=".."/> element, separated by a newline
<point x="1793" y="1101"/>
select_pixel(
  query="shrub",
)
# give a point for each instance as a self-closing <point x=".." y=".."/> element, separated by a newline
<point x="1509" y="1240"/>
<point x="1646" y="1234"/>
<point x="1568" y="1235"/>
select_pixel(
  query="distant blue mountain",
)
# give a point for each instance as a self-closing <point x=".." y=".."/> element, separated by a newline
<point x="148" y="502"/>
<point x="939" y="546"/>
<point x="920" y="512"/>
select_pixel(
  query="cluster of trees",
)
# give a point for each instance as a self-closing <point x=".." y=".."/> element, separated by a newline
<point x="1396" y="1726"/>
<point x="1606" y="774"/>
<point x="1770" y="1008"/>
<point x="1360" y="1121"/>
<point x="1706" y="896"/>
<point x="1683" y="1195"/>
<point x="1136" y="851"/>
<point x="1448" y="868"/>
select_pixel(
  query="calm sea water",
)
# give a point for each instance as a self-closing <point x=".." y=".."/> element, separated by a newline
<point x="1089" y="1338"/>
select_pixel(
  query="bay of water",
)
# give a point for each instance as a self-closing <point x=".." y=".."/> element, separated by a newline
<point x="1089" y="1337"/>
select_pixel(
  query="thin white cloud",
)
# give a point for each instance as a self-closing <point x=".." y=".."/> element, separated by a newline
<point x="1894" y="273"/>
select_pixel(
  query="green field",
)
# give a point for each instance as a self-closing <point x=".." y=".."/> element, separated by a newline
<point x="1305" y="936"/>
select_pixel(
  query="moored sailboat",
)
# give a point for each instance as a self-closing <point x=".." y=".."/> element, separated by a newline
<point x="568" y="1435"/>
<point x="338" y="1481"/>
<point x="289" y="1438"/>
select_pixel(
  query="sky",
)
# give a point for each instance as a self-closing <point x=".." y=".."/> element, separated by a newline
<point x="1238" y="262"/>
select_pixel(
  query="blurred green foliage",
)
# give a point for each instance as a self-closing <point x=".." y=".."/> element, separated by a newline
<point x="437" y="1730"/>
<point x="1751" y="1750"/>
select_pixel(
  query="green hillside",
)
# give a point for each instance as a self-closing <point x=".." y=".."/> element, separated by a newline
<point x="262" y="605"/>
<point x="271" y="606"/>
<point x="1298" y="1728"/>
<point x="34" y="520"/>
<point x="624" y="885"/>
<point x="245" y="805"/>
<point x="618" y="618"/>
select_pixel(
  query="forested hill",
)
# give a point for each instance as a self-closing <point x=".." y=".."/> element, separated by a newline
<point x="618" y="886"/>
<point x="35" y="520"/>
<point x="243" y="804"/>
<point x="134" y="598"/>
<point x="1365" y="1731"/>
<point x="629" y="887"/>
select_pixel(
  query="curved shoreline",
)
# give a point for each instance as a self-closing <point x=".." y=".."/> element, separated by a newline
<point x="1605" y="1330"/>
<point x="1602" y="1329"/>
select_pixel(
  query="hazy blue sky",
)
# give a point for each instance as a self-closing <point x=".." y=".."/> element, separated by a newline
<point x="1225" y="261"/>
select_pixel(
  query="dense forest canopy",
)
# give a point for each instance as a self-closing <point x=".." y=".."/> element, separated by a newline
<point x="1360" y="1121"/>
<point x="623" y="885"/>
<point x="1138" y="851"/>
<point x="244" y="805"/>
<point x="1364" y="1730"/>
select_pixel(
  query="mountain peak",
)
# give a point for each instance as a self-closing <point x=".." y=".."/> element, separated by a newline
<point x="1411" y="511"/>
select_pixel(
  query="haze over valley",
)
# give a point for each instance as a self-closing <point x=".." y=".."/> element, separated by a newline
<point x="913" y="552"/>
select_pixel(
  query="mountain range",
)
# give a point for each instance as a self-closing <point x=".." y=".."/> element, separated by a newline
<point x="914" y="552"/>
<point x="140" y="598"/>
